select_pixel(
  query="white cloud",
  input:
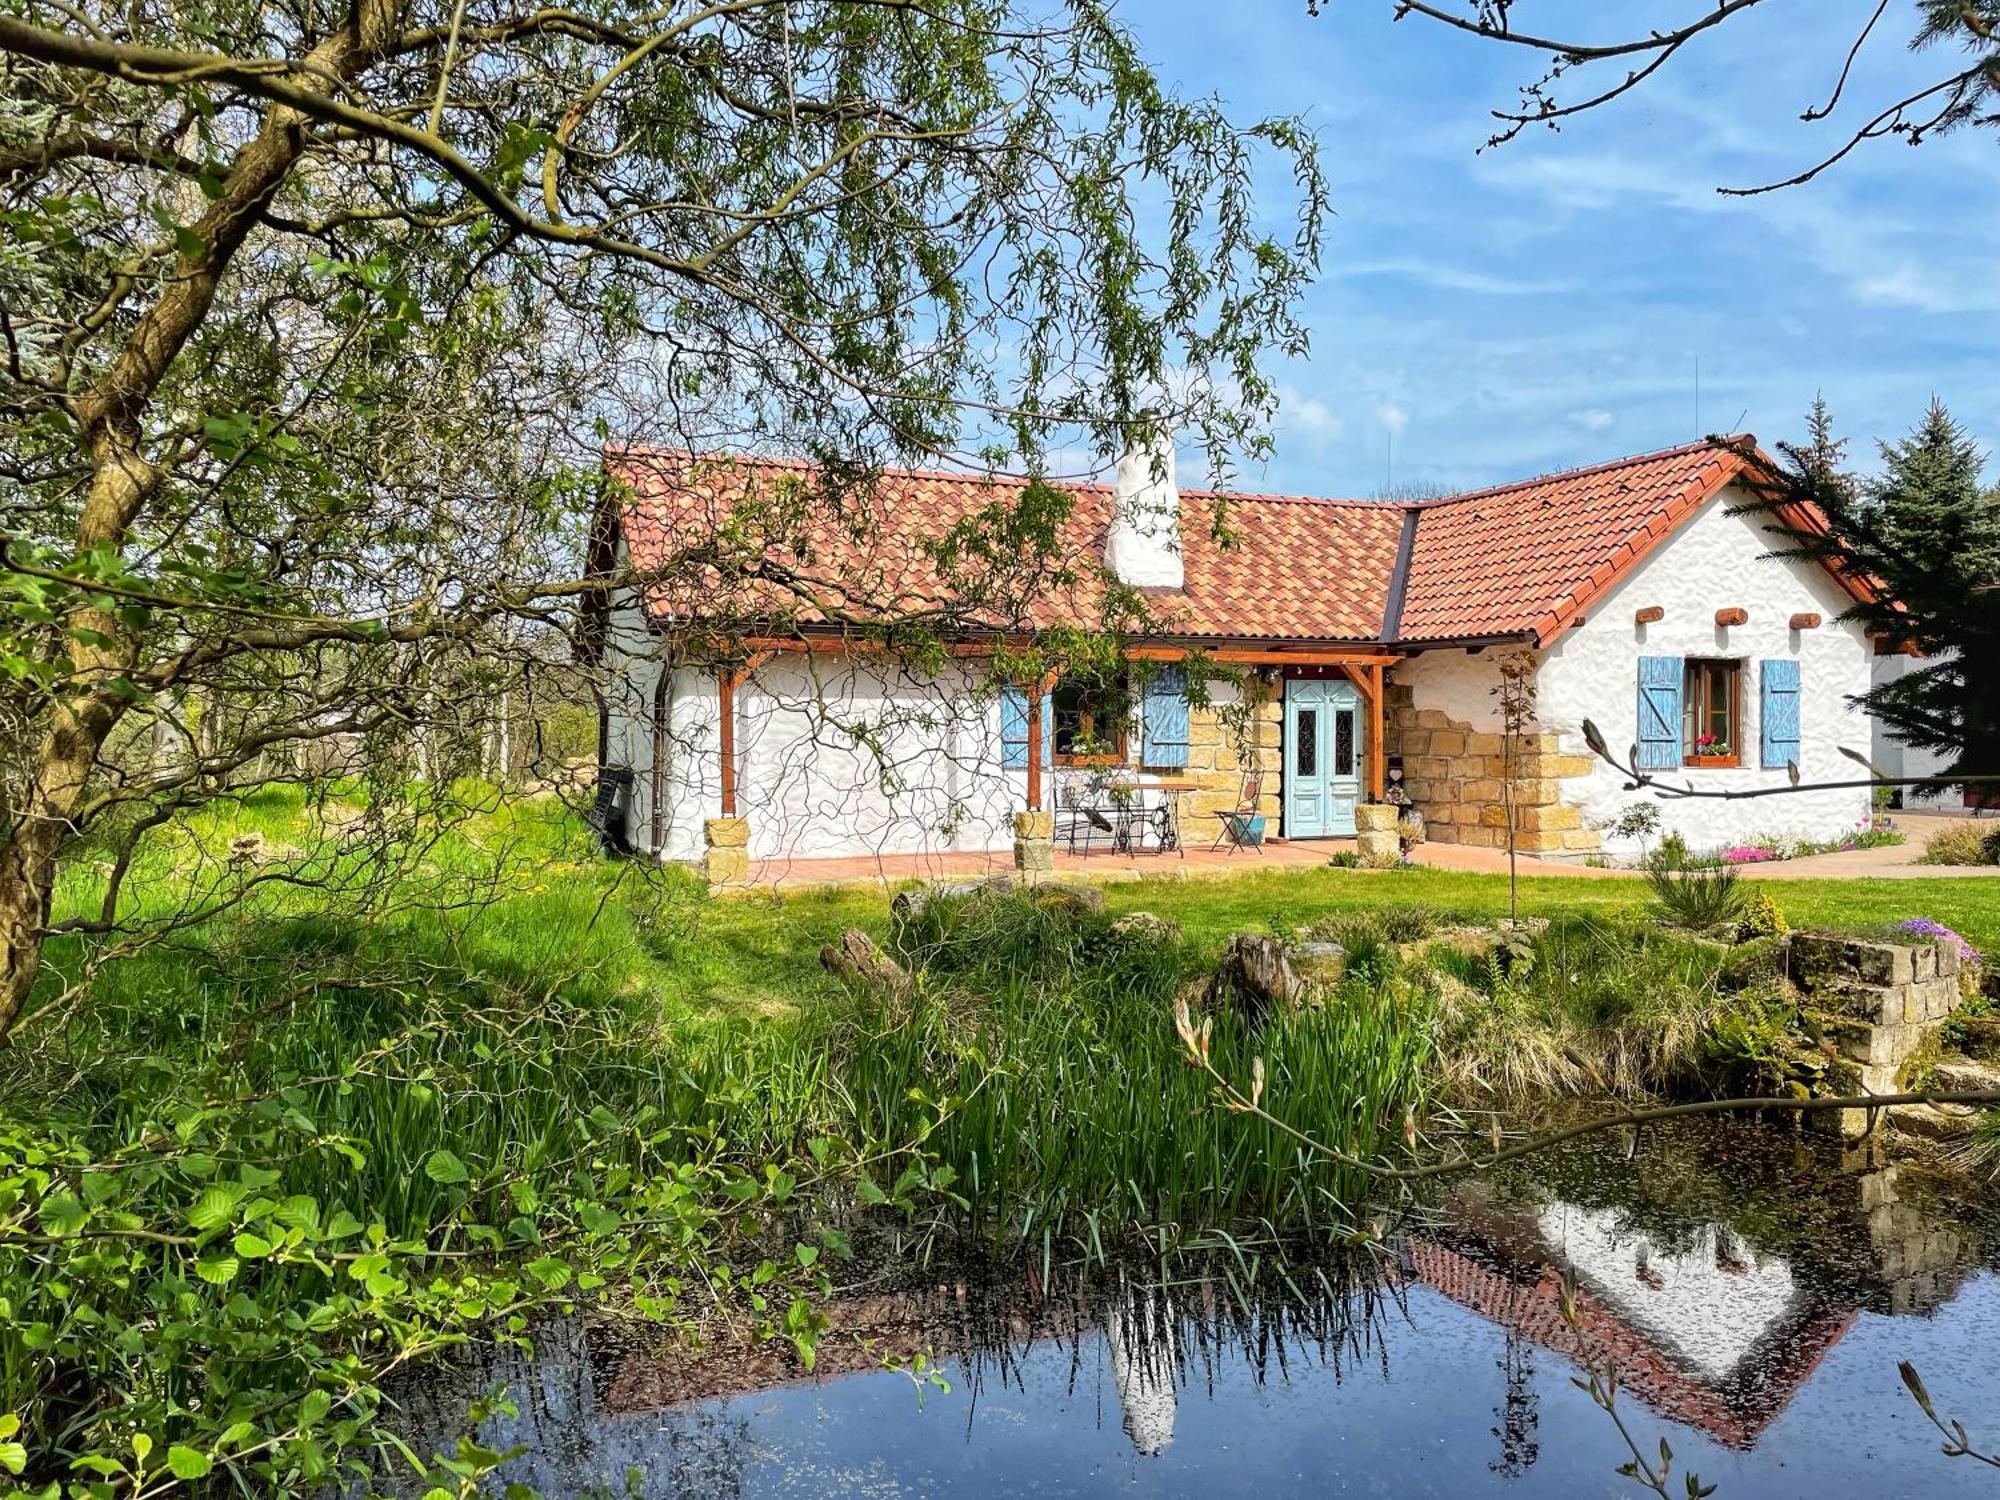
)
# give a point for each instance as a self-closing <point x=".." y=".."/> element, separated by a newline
<point x="1596" y="419"/>
<point x="1456" y="279"/>
<point x="1299" y="412"/>
<point x="1392" y="417"/>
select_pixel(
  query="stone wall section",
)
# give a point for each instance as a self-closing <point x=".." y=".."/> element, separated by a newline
<point x="1879" y="1004"/>
<point x="1216" y="761"/>
<point x="1454" y="775"/>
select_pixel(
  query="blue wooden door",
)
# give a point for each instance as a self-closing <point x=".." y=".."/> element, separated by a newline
<point x="1322" y="758"/>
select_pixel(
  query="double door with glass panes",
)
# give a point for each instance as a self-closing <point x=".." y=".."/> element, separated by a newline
<point x="1322" y="758"/>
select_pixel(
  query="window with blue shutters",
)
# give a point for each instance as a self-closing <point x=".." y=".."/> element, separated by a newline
<point x="1014" y="729"/>
<point x="1778" y="712"/>
<point x="1660" y="712"/>
<point x="1165" y="718"/>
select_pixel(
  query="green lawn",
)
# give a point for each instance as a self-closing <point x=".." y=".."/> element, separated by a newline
<point x="539" y="905"/>
<point x="758" y="951"/>
<point x="527" y="1073"/>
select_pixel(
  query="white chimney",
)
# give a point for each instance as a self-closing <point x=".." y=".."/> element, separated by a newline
<point x="1144" y="544"/>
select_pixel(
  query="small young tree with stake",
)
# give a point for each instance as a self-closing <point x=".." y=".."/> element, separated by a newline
<point x="1516" y="693"/>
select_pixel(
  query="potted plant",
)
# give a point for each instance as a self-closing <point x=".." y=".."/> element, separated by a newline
<point x="1712" y="750"/>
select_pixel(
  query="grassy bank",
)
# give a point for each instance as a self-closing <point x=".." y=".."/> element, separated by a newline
<point x="345" y="1121"/>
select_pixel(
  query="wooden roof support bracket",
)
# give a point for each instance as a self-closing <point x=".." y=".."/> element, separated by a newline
<point x="1652" y="614"/>
<point x="1732" y="616"/>
<point x="1805" y="621"/>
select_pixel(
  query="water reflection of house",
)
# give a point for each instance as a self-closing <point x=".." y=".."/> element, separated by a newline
<point x="1699" y="1324"/>
<point x="1636" y="1314"/>
<point x="1706" y="1331"/>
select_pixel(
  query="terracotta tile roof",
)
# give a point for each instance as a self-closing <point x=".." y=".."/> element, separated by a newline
<point x="1517" y="560"/>
<point x="1284" y="567"/>
<point x="1526" y="558"/>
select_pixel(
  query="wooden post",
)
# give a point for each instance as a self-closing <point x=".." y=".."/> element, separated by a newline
<point x="725" y="680"/>
<point x="1035" y="746"/>
<point x="1372" y="680"/>
<point x="1377" y="748"/>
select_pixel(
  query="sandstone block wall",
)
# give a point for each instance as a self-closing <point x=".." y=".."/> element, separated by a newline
<point x="1878" y="1004"/>
<point x="1455" y="775"/>
<point x="1218" y="758"/>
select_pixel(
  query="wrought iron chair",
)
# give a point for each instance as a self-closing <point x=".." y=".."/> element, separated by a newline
<point x="1243" y="825"/>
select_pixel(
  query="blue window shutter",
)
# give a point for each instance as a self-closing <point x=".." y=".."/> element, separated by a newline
<point x="1166" y="718"/>
<point x="1660" y="679"/>
<point x="1778" y="711"/>
<point x="1013" y="729"/>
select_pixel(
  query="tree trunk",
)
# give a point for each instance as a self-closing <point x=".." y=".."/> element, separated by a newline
<point x="28" y="857"/>
<point x="27" y="886"/>
<point x="109" y="419"/>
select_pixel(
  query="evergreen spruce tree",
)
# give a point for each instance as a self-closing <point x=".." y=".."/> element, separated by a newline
<point x="1926" y="535"/>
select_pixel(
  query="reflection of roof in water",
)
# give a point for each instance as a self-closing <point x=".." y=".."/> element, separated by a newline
<point x="1732" y="1403"/>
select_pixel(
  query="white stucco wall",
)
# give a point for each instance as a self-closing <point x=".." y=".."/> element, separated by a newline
<point x="838" y="756"/>
<point x="1715" y="560"/>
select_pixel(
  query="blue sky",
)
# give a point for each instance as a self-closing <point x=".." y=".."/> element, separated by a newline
<point x="1543" y="305"/>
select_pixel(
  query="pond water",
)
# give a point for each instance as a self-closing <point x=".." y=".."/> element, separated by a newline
<point x="1753" y="1290"/>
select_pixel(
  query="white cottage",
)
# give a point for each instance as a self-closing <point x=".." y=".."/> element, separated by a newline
<point x="1360" y="638"/>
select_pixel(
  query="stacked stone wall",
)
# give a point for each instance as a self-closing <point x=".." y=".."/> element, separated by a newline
<point x="1219" y="755"/>
<point x="1456" y="775"/>
<point x="1878" y="1004"/>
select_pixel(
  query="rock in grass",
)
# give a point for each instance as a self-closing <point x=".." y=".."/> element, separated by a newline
<point x="1319" y="963"/>
<point x="1070" y="900"/>
<point x="856" y="959"/>
<point x="911" y="903"/>
<point x="1146" y="926"/>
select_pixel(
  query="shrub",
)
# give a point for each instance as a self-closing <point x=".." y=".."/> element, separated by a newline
<point x="1699" y="895"/>
<point x="1594" y="1008"/>
<point x="1963" y="844"/>
<point x="1753" y="1046"/>
<point x="1763" y="917"/>
<point x="1636" y="820"/>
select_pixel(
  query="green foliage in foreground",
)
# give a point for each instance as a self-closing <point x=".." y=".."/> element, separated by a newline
<point x="1073" y="1112"/>
<point x="247" y="1175"/>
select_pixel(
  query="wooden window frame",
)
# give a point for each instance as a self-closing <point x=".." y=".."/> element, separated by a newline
<point x="1087" y="716"/>
<point x="1694" y="682"/>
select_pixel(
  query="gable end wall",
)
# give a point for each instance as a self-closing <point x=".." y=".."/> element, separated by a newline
<point x="1714" y="561"/>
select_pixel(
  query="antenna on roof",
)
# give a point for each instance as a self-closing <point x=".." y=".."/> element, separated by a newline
<point x="1389" y="462"/>
<point x="1697" y="396"/>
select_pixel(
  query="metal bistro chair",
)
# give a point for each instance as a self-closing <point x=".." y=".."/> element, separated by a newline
<point x="1243" y="826"/>
<point x="1075" y="817"/>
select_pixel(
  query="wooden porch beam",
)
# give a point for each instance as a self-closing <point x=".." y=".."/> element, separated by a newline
<point x="1233" y="655"/>
<point x="835" y="646"/>
<point x="1275" y="658"/>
